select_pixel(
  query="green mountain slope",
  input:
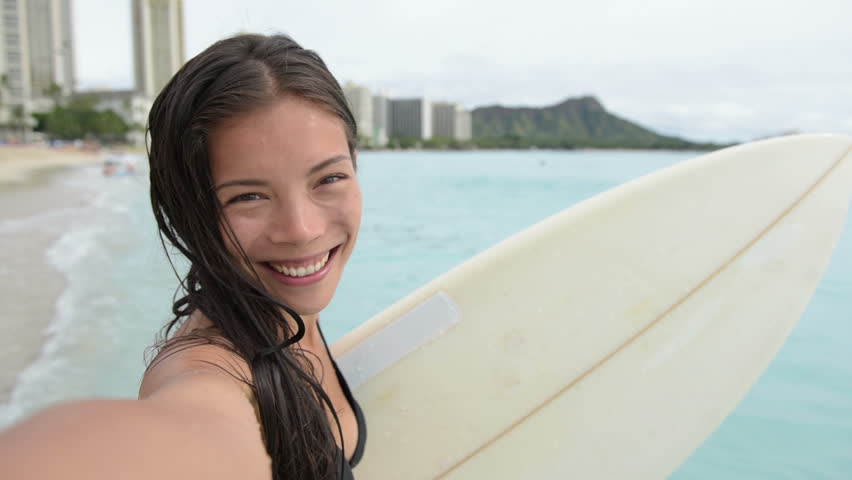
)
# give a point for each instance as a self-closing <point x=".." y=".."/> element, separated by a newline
<point x="576" y="122"/>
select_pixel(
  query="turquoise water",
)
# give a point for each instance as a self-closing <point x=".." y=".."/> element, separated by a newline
<point x="424" y="213"/>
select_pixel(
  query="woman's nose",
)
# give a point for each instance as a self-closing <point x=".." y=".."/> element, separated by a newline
<point x="297" y="221"/>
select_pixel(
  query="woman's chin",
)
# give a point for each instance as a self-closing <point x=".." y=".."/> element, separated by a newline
<point x="306" y="310"/>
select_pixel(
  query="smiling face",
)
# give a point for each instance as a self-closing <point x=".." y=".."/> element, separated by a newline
<point x="287" y="185"/>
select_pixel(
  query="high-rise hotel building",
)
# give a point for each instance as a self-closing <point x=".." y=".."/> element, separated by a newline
<point x="412" y="118"/>
<point x="158" y="43"/>
<point x="51" y="46"/>
<point x="381" y="119"/>
<point x="15" y="58"/>
<point x="450" y="120"/>
<point x="361" y="104"/>
<point x="36" y="55"/>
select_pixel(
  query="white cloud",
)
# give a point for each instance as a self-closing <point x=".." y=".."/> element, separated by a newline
<point x="734" y="68"/>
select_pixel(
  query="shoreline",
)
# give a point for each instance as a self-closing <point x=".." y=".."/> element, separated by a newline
<point x="21" y="164"/>
<point x="32" y="197"/>
<point x="538" y="149"/>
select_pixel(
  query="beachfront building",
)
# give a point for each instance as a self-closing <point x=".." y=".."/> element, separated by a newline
<point x="51" y="52"/>
<point x="361" y="104"/>
<point x="381" y="119"/>
<point x="14" y="62"/>
<point x="443" y="119"/>
<point x="411" y="118"/>
<point x="450" y="120"/>
<point x="158" y="43"/>
<point x="464" y="125"/>
<point x="36" y="60"/>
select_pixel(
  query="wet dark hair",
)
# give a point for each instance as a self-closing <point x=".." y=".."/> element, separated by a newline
<point x="231" y="78"/>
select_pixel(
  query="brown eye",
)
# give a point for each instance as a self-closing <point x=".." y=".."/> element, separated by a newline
<point x="245" y="197"/>
<point x="332" y="179"/>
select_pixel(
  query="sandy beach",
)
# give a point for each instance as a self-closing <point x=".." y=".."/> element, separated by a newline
<point x="30" y="188"/>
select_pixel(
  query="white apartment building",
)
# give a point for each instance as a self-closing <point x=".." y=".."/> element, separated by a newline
<point x="450" y="120"/>
<point x="381" y="119"/>
<point x="361" y="104"/>
<point x="158" y="43"/>
<point x="411" y="118"/>
<point x="14" y="61"/>
<point x="464" y="125"/>
<point x="51" y="51"/>
<point x="36" y="57"/>
<point x="443" y="119"/>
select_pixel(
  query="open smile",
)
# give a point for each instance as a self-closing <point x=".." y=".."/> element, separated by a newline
<point x="303" y="271"/>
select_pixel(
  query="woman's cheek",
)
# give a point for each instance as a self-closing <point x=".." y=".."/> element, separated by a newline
<point x="241" y="231"/>
<point x="355" y="202"/>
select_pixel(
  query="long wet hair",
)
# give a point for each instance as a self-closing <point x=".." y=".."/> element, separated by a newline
<point x="231" y="78"/>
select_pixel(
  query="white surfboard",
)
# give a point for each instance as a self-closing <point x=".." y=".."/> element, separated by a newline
<point x="610" y="340"/>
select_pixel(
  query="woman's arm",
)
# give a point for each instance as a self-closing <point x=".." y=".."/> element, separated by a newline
<point x="198" y="424"/>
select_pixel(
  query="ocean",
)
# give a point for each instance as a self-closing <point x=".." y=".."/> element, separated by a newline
<point x="425" y="212"/>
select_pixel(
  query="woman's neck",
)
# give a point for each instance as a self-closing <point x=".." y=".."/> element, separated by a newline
<point x="312" y="331"/>
<point x="312" y="335"/>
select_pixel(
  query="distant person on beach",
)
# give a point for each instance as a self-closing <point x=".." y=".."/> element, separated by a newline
<point x="253" y="180"/>
<point x="115" y="165"/>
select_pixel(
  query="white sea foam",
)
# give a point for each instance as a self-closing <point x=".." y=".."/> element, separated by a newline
<point x="45" y="221"/>
<point x="36" y="384"/>
<point x="107" y="251"/>
<point x="72" y="248"/>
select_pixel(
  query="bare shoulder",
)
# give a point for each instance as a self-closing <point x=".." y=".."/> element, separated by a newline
<point x="204" y="383"/>
<point x="181" y="357"/>
<point x="202" y="373"/>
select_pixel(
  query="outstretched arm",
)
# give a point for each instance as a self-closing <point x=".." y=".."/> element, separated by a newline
<point x="198" y="425"/>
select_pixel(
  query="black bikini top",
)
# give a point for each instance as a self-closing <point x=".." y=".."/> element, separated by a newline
<point x="359" y="417"/>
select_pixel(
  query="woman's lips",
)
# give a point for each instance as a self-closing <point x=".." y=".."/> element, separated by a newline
<point x="280" y="272"/>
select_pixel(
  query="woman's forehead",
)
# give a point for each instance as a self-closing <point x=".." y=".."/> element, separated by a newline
<point x="291" y="132"/>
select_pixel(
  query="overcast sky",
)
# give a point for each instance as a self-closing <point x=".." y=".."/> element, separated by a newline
<point x="707" y="70"/>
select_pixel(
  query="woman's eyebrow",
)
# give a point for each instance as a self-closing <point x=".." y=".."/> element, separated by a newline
<point x="325" y="163"/>
<point x="243" y="182"/>
<point x="251" y="182"/>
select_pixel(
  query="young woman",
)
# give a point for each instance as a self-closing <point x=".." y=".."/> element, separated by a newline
<point x="253" y="181"/>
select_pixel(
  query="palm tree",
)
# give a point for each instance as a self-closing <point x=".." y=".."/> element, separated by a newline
<point x="18" y="121"/>
<point x="54" y="91"/>
<point x="4" y="86"/>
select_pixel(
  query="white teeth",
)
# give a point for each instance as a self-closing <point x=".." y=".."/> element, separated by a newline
<point x="302" y="271"/>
